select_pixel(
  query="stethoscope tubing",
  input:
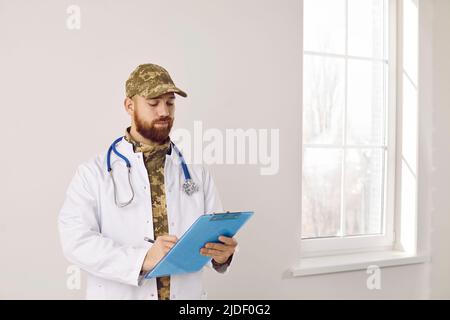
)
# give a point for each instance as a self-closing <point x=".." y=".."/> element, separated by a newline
<point x="189" y="186"/>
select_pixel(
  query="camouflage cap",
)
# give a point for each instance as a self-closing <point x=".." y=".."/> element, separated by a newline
<point x="150" y="81"/>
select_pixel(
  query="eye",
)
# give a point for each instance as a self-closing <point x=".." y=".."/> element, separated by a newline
<point x="170" y="103"/>
<point x="153" y="103"/>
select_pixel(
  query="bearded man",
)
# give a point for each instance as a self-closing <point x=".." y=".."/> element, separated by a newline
<point x="126" y="208"/>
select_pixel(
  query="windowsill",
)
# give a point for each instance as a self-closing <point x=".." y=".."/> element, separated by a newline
<point x="358" y="261"/>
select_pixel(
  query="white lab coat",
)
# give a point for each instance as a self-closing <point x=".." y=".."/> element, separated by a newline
<point x="108" y="242"/>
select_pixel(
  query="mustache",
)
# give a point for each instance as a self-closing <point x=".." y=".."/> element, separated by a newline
<point x="163" y="119"/>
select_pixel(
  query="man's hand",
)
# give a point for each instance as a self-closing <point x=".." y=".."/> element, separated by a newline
<point x="220" y="252"/>
<point x="158" y="250"/>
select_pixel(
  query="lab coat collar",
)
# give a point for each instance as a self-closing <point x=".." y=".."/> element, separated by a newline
<point x="126" y="148"/>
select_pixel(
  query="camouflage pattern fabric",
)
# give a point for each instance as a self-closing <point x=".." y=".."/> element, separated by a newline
<point x="154" y="159"/>
<point x="150" y="81"/>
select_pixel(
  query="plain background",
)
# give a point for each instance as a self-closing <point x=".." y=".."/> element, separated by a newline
<point x="62" y="93"/>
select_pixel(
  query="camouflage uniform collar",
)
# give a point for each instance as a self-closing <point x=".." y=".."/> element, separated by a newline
<point x="149" y="150"/>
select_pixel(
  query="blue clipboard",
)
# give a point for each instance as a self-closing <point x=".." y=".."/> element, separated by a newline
<point x="185" y="257"/>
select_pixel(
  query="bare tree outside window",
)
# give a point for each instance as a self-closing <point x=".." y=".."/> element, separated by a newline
<point x="344" y="117"/>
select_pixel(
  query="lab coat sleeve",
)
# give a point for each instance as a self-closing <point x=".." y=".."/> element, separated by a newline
<point x="82" y="242"/>
<point x="213" y="204"/>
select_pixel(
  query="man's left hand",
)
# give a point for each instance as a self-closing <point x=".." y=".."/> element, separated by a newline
<point x="220" y="252"/>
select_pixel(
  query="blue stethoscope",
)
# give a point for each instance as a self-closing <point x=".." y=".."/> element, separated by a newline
<point x="189" y="186"/>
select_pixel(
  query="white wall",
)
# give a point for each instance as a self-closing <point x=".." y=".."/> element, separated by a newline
<point x="440" y="279"/>
<point x="240" y="63"/>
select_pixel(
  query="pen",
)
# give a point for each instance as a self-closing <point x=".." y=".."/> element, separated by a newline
<point x="149" y="240"/>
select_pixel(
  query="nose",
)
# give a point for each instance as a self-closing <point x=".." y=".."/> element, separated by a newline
<point x="163" y="109"/>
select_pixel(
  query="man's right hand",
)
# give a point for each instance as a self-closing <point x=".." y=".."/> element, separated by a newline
<point x="158" y="250"/>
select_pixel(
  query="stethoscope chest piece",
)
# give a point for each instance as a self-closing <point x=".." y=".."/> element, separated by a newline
<point x="190" y="187"/>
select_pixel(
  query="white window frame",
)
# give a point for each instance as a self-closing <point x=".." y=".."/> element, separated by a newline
<point x="385" y="241"/>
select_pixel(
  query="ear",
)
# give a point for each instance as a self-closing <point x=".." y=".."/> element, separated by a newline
<point x="128" y="103"/>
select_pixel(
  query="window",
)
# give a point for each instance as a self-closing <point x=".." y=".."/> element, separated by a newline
<point x="349" y="124"/>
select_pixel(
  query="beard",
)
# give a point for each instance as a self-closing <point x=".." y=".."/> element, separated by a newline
<point x="149" y="131"/>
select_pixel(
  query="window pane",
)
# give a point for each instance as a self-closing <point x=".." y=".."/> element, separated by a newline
<point x="321" y="200"/>
<point x="344" y="104"/>
<point x="363" y="191"/>
<point x="323" y="99"/>
<point x="365" y="114"/>
<point x="366" y="27"/>
<point x="324" y="26"/>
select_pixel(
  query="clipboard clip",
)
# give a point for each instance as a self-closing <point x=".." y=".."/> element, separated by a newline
<point x="225" y="216"/>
